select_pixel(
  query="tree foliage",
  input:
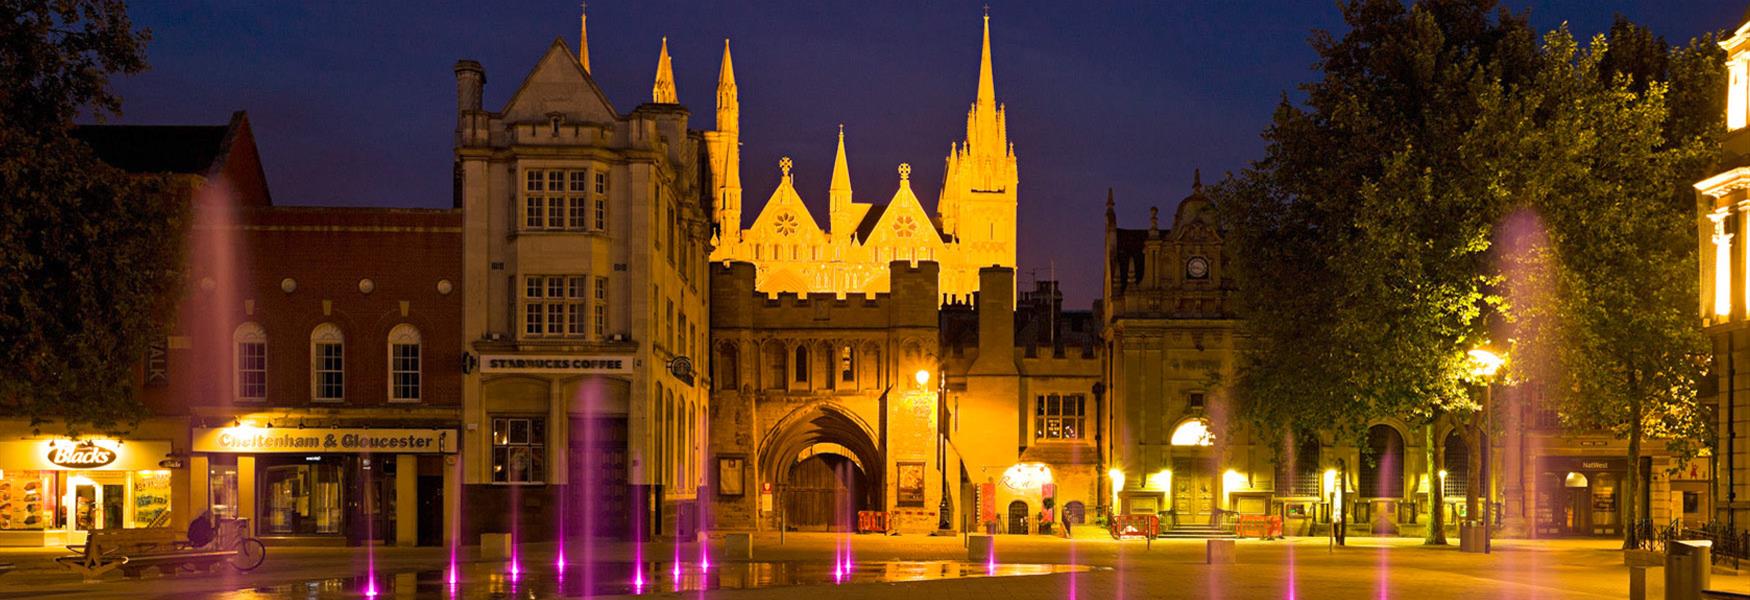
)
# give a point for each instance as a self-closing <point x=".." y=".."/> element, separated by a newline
<point x="90" y="257"/>
<point x="1453" y="181"/>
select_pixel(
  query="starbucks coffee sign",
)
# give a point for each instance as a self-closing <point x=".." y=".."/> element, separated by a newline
<point x="85" y="455"/>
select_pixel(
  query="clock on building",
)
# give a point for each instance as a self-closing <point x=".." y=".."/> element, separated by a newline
<point x="1197" y="267"/>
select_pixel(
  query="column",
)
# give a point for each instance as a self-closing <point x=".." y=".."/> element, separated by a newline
<point x="452" y="498"/>
<point x="1722" y="264"/>
<point x="198" y="497"/>
<point x="406" y="499"/>
<point x="246" y="489"/>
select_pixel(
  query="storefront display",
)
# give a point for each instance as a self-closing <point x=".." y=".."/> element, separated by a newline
<point x="56" y="486"/>
<point x="1578" y="496"/>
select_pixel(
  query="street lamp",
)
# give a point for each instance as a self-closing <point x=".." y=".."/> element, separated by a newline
<point x="1484" y="365"/>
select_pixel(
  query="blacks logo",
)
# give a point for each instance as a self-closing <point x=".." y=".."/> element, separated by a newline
<point x="81" y="456"/>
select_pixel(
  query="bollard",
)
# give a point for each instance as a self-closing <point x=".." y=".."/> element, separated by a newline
<point x="1637" y="583"/>
<point x="494" y="546"/>
<point x="979" y="548"/>
<point x="738" y="546"/>
<point x="1219" y="552"/>
<point x="1688" y="567"/>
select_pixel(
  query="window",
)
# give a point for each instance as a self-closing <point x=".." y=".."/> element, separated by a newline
<point x="801" y="364"/>
<point x="601" y="307"/>
<point x="1193" y="432"/>
<point x="519" y="450"/>
<point x="327" y="363"/>
<point x="668" y="326"/>
<point x="553" y="305"/>
<point x="1194" y="400"/>
<point x="1059" y="417"/>
<point x="847" y="364"/>
<point x="404" y="363"/>
<point x="727" y="369"/>
<point x="775" y="366"/>
<point x="250" y="359"/>
<point x="556" y="200"/>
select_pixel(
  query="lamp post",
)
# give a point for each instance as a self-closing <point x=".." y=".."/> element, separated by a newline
<point x="1484" y="365"/>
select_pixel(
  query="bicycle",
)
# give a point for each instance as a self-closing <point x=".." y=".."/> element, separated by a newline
<point x="233" y="534"/>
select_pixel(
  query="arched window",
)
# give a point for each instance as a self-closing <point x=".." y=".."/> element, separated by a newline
<point x="1382" y="469"/>
<point x="847" y="365"/>
<point x="727" y="368"/>
<point x="404" y="381"/>
<point x="249" y="361"/>
<point x="1193" y="432"/>
<point x="801" y="364"/>
<point x="775" y="368"/>
<point x="327" y="363"/>
<point x="1299" y="474"/>
<point x="1456" y="465"/>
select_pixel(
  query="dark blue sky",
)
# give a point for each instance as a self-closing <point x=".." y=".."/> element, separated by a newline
<point x="353" y="102"/>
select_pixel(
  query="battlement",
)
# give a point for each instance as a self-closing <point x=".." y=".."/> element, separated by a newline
<point x="912" y="301"/>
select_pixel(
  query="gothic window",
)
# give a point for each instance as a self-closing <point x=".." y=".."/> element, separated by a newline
<point x="847" y="364"/>
<point x="904" y="226"/>
<point x="786" y="224"/>
<point x="801" y="364"/>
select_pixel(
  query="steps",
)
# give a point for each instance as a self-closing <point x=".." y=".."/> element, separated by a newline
<point x="1198" y="532"/>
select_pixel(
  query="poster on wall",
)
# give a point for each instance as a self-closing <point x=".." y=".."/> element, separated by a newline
<point x="911" y="484"/>
<point x="729" y="474"/>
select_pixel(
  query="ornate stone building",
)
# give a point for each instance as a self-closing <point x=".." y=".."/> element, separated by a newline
<point x="974" y="224"/>
<point x="584" y="237"/>
<point x="1722" y="228"/>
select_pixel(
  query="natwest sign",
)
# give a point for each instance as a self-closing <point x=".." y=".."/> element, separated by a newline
<point x="84" y="455"/>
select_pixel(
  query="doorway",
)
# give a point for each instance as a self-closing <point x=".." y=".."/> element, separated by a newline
<point x="821" y="493"/>
<point x="1018" y="518"/>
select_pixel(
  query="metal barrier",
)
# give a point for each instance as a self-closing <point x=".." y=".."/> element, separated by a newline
<point x="871" y="521"/>
<point x="1144" y="526"/>
<point x="1266" y="527"/>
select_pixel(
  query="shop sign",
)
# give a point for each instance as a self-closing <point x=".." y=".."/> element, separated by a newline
<point x="590" y="365"/>
<point x="81" y="456"/>
<point x="260" y="440"/>
<point x="1585" y="463"/>
<point x="96" y="454"/>
<point x="681" y="368"/>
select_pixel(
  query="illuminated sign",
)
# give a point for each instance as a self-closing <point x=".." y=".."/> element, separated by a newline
<point x="86" y="455"/>
<point x="260" y="440"/>
<point x="1026" y="476"/>
<point x="599" y="365"/>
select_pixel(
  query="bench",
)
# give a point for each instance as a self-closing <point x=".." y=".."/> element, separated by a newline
<point x="106" y="550"/>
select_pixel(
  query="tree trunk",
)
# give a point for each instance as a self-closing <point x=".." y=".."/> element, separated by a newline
<point x="1436" y="491"/>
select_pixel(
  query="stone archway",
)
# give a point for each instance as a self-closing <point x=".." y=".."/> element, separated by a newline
<point x="828" y="456"/>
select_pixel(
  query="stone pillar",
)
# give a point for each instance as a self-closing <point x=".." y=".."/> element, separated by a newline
<point x="452" y="498"/>
<point x="199" y="496"/>
<point x="406" y="499"/>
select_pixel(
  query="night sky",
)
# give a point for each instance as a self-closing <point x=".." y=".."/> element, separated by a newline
<point x="353" y="103"/>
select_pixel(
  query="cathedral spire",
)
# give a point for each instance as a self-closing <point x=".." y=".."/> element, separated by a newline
<point x="663" y="91"/>
<point x="987" y="91"/>
<point x="728" y="97"/>
<point x="841" y="173"/>
<point x="583" y="36"/>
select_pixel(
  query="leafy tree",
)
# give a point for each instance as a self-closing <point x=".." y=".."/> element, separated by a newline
<point x="1366" y="238"/>
<point x="92" y="257"/>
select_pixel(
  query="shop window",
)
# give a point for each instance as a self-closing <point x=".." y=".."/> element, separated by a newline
<point x="302" y="498"/>
<point x="328" y="363"/>
<point x="1059" y="417"/>
<point x="151" y="491"/>
<point x="222" y="490"/>
<point x="250" y="362"/>
<point x="27" y="499"/>
<point x="519" y="450"/>
<point x="404" y="363"/>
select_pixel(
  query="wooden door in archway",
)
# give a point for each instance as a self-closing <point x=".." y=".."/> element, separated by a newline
<point x="820" y="494"/>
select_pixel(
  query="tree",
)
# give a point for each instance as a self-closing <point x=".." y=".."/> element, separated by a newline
<point x="1362" y="236"/>
<point x="93" y="257"/>
<point x="1367" y="236"/>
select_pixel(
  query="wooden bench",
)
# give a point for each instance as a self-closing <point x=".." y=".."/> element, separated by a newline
<point x="106" y="550"/>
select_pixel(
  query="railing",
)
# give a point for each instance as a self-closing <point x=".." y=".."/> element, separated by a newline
<point x="1729" y="546"/>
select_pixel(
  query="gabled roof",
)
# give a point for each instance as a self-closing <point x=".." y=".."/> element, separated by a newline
<point x="903" y="203"/>
<point x="785" y="201"/>
<point x="550" y="87"/>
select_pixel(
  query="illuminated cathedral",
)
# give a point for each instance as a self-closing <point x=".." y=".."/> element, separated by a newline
<point x="974" y="224"/>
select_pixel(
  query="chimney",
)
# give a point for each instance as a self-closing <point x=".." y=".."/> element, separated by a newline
<point x="470" y="80"/>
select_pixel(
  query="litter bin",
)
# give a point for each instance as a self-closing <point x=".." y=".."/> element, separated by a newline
<point x="1688" y="563"/>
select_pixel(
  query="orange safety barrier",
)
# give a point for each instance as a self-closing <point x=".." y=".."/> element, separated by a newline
<point x="1143" y="526"/>
<point x="871" y="521"/>
<point x="1266" y="527"/>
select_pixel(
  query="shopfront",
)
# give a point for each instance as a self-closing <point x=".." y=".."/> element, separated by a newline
<point x="389" y="485"/>
<point x="1580" y="495"/>
<point x="52" y="490"/>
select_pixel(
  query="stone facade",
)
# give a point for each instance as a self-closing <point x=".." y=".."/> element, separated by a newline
<point x="974" y="224"/>
<point x="1722" y="226"/>
<point x="585" y="235"/>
